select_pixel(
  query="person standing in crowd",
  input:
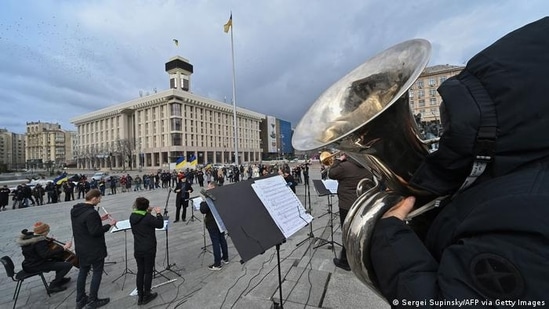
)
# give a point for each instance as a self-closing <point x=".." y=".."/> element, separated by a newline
<point x="67" y="189"/>
<point x="220" y="176"/>
<point x="112" y="182"/>
<point x="290" y="181"/>
<point x="91" y="249"/>
<point x="4" y="197"/>
<point x="488" y="239"/>
<point x="39" y="257"/>
<point x="183" y="190"/>
<point x="137" y="181"/>
<point x="144" y="234"/>
<point x="200" y="177"/>
<point x="38" y="193"/>
<point x="348" y="174"/>
<point x="219" y="243"/>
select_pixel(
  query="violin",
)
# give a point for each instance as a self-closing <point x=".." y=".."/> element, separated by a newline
<point x="67" y="255"/>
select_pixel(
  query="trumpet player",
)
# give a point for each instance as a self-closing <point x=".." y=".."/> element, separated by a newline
<point x="489" y="240"/>
<point x="348" y="174"/>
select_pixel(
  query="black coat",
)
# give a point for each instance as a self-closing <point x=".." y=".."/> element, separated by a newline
<point x="144" y="233"/>
<point x="348" y="174"/>
<point x="491" y="240"/>
<point x="209" y="220"/>
<point x="183" y="195"/>
<point x="4" y="196"/>
<point x="36" y="250"/>
<point x="89" y="234"/>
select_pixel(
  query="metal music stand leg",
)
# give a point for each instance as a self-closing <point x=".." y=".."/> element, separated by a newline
<point x="331" y="242"/>
<point x="277" y="305"/>
<point x="193" y="217"/>
<point x="126" y="270"/>
<point x="169" y="267"/>
<point x="310" y="235"/>
<point x="204" y="247"/>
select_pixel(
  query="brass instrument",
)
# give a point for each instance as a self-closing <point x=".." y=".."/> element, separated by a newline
<point x="327" y="158"/>
<point x="366" y="114"/>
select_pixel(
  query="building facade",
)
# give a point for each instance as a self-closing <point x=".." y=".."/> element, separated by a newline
<point x="276" y="137"/>
<point x="423" y="95"/>
<point x="47" y="145"/>
<point x="12" y="151"/>
<point x="155" y="130"/>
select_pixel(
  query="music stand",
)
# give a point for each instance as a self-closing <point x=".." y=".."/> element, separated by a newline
<point x="169" y="267"/>
<point x="197" y="200"/>
<point x="309" y="209"/>
<point x="123" y="226"/>
<point x="193" y="217"/>
<point x="323" y="191"/>
<point x="274" y="213"/>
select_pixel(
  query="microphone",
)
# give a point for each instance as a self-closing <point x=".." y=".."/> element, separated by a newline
<point x="207" y="194"/>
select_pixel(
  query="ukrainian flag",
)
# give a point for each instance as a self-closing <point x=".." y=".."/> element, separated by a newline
<point x="193" y="160"/>
<point x="208" y="166"/>
<point x="180" y="162"/>
<point x="61" y="178"/>
<point x="229" y="24"/>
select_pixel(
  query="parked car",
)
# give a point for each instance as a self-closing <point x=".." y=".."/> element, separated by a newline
<point x="99" y="175"/>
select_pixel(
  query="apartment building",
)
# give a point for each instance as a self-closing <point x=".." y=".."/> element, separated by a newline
<point x="423" y="95"/>
<point x="12" y="150"/>
<point x="154" y="130"/>
<point x="47" y="145"/>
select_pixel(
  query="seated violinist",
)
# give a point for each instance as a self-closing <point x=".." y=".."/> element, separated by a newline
<point x="40" y="256"/>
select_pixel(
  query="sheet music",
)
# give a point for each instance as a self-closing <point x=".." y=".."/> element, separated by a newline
<point x="196" y="200"/>
<point x="331" y="185"/>
<point x="121" y="226"/>
<point x="126" y="225"/>
<point x="282" y="204"/>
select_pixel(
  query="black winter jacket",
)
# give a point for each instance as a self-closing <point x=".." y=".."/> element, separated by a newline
<point x="490" y="242"/>
<point x="209" y="220"/>
<point x="36" y="250"/>
<point x="144" y="233"/>
<point x="89" y="234"/>
<point x="348" y="174"/>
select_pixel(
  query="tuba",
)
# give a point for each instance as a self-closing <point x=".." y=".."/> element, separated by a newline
<point x="366" y="114"/>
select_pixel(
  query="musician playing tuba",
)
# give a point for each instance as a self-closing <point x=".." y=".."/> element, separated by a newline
<point x="489" y="242"/>
<point x="41" y="257"/>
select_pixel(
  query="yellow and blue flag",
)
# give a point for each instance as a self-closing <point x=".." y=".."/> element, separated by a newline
<point x="193" y="160"/>
<point x="61" y="178"/>
<point x="180" y="162"/>
<point x="229" y="24"/>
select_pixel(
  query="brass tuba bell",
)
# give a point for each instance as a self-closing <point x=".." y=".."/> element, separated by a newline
<point x="366" y="114"/>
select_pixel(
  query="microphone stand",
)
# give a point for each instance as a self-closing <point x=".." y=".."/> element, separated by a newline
<point x="168" y="265"/>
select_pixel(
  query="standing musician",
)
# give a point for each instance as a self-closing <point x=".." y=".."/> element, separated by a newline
<point x="183" y="190"/>
<point x="348" y="174"/>
<point x="144" y="244"/>
<point x="89" y="238"/>
<point x="219" y="243"/>
<point x="40" y="256"/>
<point x="489" y="241"/>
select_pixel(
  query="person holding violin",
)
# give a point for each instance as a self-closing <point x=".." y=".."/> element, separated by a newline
<point x="144" y="226"/>
<point x="41" y="256"/>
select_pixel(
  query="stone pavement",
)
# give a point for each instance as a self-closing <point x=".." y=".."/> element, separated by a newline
<point x="310" y="280"/>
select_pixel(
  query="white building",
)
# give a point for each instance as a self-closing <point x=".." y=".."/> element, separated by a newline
<point x="153" y="131"/>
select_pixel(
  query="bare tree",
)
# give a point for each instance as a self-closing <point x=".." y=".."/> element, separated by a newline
<point x="126" y="148"/>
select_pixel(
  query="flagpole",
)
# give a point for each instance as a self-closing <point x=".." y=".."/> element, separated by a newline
<point x="234" y="100"/>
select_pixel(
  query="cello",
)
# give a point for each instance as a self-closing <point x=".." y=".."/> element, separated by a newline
<point x="67" y="255"/>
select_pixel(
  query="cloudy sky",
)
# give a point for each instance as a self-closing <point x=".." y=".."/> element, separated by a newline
<point x="63" y="58"/>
